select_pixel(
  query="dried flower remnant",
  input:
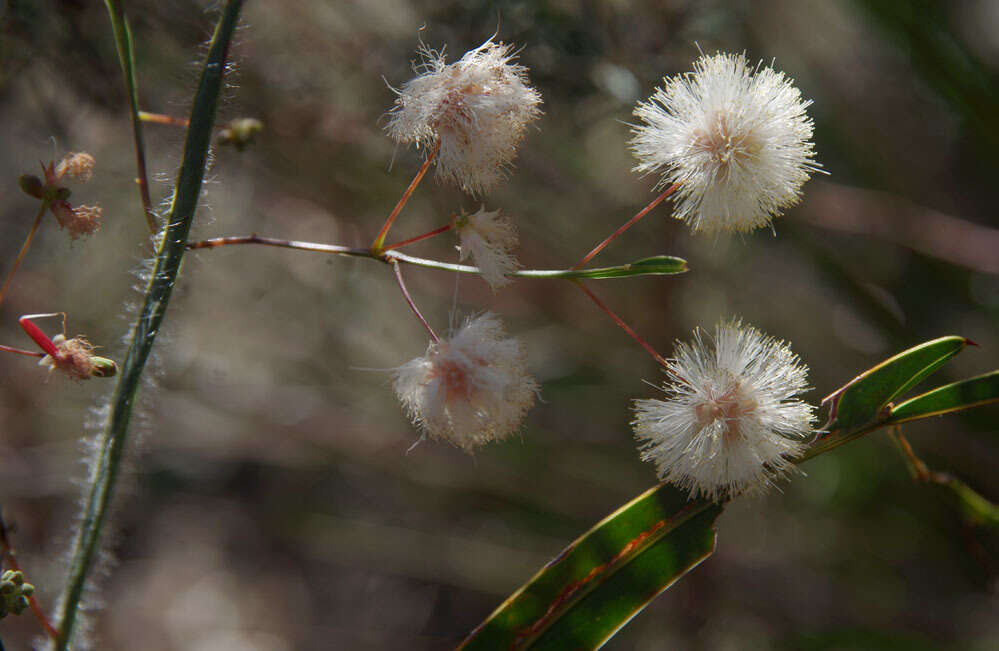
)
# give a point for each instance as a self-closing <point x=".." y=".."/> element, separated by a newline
<point x="75" y="358"/>
<point x="730" y="422"/>
<point x="78" y="221"/>
<point x="477" y="109"/>
<point x="488" y="237"/>
<point x="470" y="390"/>
<point x="735" y="139"/>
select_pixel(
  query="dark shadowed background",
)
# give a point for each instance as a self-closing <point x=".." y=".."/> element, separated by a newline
<point x="271" y="503"/>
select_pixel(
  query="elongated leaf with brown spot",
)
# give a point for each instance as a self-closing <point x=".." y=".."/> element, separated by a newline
<point x="598" y="583"/>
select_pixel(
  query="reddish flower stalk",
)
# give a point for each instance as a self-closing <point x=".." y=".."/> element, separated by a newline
<point x="413" y="240"/>
<point x="624" y="326"/>
<point x="409" y="300"/>
<point x="628" y="224"/>
<point x="24" y="249"/>
<point x="376" y="246"/>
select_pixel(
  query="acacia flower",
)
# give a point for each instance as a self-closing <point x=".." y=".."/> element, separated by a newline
<point x="76" y="359"/>
<point x="470" y="390"/>
<point x="735" y="139"/>
<point x="488" y="237"/>
<point x="477" y="109"/>
<point x="78" y="167"/>
<point x="730" y="420"/>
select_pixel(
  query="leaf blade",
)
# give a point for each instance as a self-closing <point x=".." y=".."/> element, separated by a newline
<point x="861" y="400"/>
<point x="642" y="531"/>
<point x="957" y="396"/>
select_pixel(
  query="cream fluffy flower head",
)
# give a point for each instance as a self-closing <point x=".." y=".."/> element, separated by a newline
<point x="734" y="138"/>
<point x="489" y="238"/>
<point x="730" y="420"/>
<point x="470" y="390"/>
<point x="477" y="109"/>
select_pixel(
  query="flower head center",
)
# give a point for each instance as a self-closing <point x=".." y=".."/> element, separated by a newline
<point x="725" y="142"/>
<point x="727" y="404"/>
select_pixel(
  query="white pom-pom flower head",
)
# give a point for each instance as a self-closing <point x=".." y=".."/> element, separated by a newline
<point x="734" y="139"/>
<point x="469" y="390"/>
<point x="476" y="110"/>
<point x="488" y="238"/>
<point x="730" y="422"/>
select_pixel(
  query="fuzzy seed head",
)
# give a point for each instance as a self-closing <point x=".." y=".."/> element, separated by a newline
<point x="729" y="423"/>
<point x="470" y="390"/>
<point x="489" y="238"/>
<point x="735" y="139"/>
<point x="78" y="221"/>
<point x="77" y="166"/>
<point x="476" y="109"/>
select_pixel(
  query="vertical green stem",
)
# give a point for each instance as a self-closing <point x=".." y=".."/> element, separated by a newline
<point x="123" y="43"/>
<point x="107" y="465"/>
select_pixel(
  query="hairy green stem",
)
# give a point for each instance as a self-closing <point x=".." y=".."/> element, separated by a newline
<point x="123" y="43"/>
<point x="107" y="465"/>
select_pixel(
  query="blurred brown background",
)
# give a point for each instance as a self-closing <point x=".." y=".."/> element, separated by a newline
<point x="271" y="503"/>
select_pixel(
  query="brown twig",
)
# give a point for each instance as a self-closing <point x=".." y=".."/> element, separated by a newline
<point x="24" y="248"/>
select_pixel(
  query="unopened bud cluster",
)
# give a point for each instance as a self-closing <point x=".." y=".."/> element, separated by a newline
<point x="14" y="593"/>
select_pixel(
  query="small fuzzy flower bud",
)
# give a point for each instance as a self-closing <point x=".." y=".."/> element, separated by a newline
<point x="476" y="109"/>
<point x="488" y="237"/>
<point x="76" y="360"/>
<point x="735" y="139"/>
<point x="240" y="133"/>
<point x="730" y="422"/>
<point x="470" y="390"/>
<point x="78" y="167"/>
<point x="31" y="185"/>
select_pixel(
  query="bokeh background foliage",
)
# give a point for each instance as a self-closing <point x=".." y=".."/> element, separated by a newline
<point x="272" y="504"/>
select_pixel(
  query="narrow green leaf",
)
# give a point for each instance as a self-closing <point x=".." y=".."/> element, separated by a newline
<point x="598" y="583"/>
<point x="863" y="398"/>
<point x="965" y="394"/>
<point x="106" y="468"/>
<point x="659" y="265"/>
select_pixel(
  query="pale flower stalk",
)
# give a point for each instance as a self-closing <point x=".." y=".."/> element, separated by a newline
<point x="488" y="238"/>
<point x="477" y="109"/>
<point x="469" y="390"/>
<point x="734" y="138"/>
<point x="730" y="422"/>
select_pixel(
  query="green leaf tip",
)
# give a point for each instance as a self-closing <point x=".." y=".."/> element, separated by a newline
<point x="864" y="398"/>
<point x="660" y="265"/>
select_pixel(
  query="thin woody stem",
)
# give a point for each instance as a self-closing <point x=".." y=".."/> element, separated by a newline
<point x="409" y="299"/>
<point x="7" y="551"/>
<point x="628" y="224"/>
<point x="376" y="246"/>
<point x="159" y="118"/>
<point x="624" y="326"/>
<point x="24" y="248"/>
<point x="412" y="240"/>
<point x="21" y="351"/>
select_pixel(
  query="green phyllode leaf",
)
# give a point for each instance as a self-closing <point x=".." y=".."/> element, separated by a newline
<point x="604" y="578"/>
<point x="972" y="392"/>
<point x="659" y="265"/>
<point x="862" y="399"/>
